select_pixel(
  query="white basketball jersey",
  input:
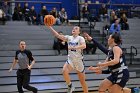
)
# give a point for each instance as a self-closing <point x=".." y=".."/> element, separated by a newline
<point x="75" y="41"/>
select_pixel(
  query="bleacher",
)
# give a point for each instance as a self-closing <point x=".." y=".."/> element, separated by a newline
<point x="46" y="73"/>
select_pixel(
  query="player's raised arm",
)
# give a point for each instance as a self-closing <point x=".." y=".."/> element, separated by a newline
<point x="56" y="34"/>
<point x="49" y="21"/>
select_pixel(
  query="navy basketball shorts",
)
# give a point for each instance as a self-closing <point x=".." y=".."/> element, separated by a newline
<point x="120" y="77"/>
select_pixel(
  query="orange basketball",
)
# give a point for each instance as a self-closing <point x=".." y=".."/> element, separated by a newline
<point x="49" y="20"/>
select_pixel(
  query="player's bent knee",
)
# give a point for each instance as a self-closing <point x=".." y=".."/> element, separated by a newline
<point x="126" y="90"/>
<point x="102" y="89"/>
<point x="65" y="70"/>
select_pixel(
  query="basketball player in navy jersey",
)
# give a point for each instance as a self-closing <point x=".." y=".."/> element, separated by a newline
<point x="116" y="64"/>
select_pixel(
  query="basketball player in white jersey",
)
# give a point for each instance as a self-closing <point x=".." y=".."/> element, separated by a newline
<point x="76" y="44"/>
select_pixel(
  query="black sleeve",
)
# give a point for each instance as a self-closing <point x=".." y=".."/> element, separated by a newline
<point x="30" y="55"/>
<point x="88" y="9"/>
<point x="35" y="14"/>
<point x="126" y="20"/>
<point x="16" y="55"/>
<point x="106" y="71"/>
<point x="101" y="47"/>
<point x="100" y="11"/>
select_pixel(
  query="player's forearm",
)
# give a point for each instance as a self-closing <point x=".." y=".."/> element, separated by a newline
<point x="33" y="62"/>
<point x="55" y="33"/>
<point x="100" y="46"/>
<point x="110" y="63"/>
<point x="81" y="46"/>
<point x="13" y="64"/>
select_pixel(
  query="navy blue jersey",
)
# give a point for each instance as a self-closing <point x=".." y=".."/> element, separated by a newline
<point x="121" y="64"/>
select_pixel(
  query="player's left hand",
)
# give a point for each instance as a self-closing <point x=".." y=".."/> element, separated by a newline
<point x="29" y="67"/>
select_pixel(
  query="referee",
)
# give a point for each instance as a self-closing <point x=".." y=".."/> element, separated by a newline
<point x="25" y="61"/>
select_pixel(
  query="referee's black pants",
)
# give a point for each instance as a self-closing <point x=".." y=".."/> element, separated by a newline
<point x="23" y="79"/>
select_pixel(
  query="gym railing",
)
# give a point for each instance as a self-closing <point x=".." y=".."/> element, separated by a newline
<point x="133" y="50"/>
<point x="91" y="26"/>
<point x="132" y="54"/>
<point x="109" y="5"/>
<point x="105" y="33"/>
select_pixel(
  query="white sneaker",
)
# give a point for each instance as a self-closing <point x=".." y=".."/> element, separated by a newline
<point x="70" y="89"/>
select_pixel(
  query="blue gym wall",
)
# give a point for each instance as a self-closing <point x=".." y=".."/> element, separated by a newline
<point x="71" y="5"/>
